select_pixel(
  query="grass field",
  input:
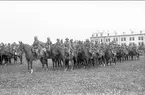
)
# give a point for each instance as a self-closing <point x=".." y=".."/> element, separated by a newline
<point x="127" y="78"/>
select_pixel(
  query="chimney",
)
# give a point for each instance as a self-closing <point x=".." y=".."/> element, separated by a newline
<point x="96" y="34"/>
<point x="131" y="31"/>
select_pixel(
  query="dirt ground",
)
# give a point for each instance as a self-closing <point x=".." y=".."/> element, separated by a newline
<point x="127" y="78"/>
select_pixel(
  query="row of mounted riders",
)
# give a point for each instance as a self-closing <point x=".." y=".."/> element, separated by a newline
<point x="80" y="55"/>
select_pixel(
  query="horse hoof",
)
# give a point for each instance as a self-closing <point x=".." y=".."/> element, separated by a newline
<point x="31" y="71"/>
<point x="65" y="70"/>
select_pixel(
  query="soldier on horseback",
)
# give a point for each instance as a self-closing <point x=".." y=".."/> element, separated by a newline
<point x="72" y="46"/>
<point x="87" y="44"/>
<point x="58" y="43"/>
<point x="61" y="43"/>
<point x="48" y="44"/>
<point x="67" y="45"/>
<point x="36" y="47"/>
<point x="14" y="47"/>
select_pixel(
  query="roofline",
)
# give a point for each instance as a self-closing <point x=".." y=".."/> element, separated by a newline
<point x="118" y="35"/>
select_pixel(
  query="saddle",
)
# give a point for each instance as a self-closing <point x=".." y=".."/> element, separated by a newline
<point x="35" y="52"/>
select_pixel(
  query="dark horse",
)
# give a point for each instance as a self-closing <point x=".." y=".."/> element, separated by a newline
<point x="30" y="57"/>
<point x="82" y="55"/>
<point x="5" y="56"/>
<point x="110" y="57"/>
<point x="57" y="55"/>
<point x="134" y="54"/>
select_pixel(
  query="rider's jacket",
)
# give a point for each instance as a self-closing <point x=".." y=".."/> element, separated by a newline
<point x="48" y="45"/>
<point x="67" y="45"/>
<point x="36" y="44"/>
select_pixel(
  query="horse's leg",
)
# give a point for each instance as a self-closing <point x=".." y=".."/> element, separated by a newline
<point x="132" y="57"/>
<point x="28" y="65"/>
<point x="15" y="59"/>
<point x="46" y="61"/>
<point x="106" y="61"/>
<point x="53" y="62"/>
<point x="65" y="63"/>
<point x="114" y="60"/>
<point x="42" y="62"/>
<point x="110" y="60"/>
<point x="86" y="62"/>
<point x="74" y="62"/>
<point x="31" y="66"/>
<point x="21" y="59"/>
<point x="100" y="60"/>
<point x="97" y="61"/>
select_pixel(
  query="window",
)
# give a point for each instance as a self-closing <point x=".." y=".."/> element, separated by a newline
<point x="130" y="38"/>
<point x="138" y="38"/>
<point x="131" y="43"/>
<point x="141" y="38"/>
<point x="121" y="39"/>
<point x="116" y="39"/>
<point x="140" y="43"/>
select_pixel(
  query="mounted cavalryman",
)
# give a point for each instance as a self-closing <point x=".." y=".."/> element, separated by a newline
<point x="36" y="47"/>
<point x="58" y="43"/>
<point x="48" y="44"/>
<point x="67" y="45"/>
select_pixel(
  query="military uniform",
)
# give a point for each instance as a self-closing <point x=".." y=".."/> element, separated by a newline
<point x="67" y="46"/>
<point x="14" y="47"/>
<point x="48" y="45"/>
<point x="36" y="47"/>
<point x="58" y="43"/>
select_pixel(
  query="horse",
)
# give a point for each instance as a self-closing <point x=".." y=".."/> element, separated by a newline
<point x="43" y="58"/>
<point x="5" y="56"/>
<point x="57" y="55"/>
<point x="109" y="57"/>
<point x="100" y="56"/>
<point x="69" y="58"/>
<point x="133" y="54"/>
<point x="30" y="57"/>
<point x="19" y="54"/>
<point x="82" y="56"/>
<point x="119" y="55"/>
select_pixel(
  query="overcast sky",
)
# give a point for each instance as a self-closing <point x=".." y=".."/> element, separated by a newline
<point x="21" y="21"/>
